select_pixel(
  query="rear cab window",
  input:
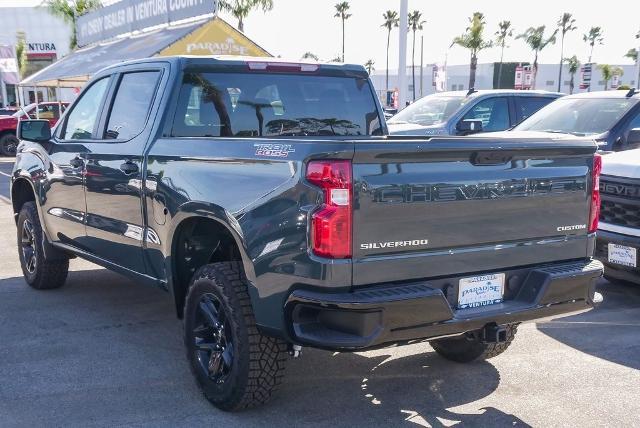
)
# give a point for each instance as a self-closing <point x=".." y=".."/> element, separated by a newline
<point x="526" y="106"/>
<point x="212" y="104"/>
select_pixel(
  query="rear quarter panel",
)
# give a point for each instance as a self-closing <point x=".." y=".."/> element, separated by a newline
<point x="260" y="197"/>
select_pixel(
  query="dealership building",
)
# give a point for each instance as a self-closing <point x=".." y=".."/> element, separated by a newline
<point x="121" y="31"/>
<point x="47" y="40"/>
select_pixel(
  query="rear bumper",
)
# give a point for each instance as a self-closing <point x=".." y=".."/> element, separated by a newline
<point x="376" y="316"/>
<point x="624" y="273"/>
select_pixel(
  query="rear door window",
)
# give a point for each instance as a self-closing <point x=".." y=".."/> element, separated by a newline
<point x="131" y="104"/>
<point x="526" y="106"/>
<point x="493" y="112"/>
<point x="274" y="105"/>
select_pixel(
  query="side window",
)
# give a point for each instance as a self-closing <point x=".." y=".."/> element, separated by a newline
<point x="82" y="119"/>
<point x="131" y="105"/>
<point x="493" y="112"/>
<point x="48" y="111"/>
<point x="526" y="106"/>
<point x="635" y="122"/>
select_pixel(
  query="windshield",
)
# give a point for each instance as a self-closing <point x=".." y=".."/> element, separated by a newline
<point x="578" y="116"/>
<point x="274" y="105"/>
<point x="430" y="110"/>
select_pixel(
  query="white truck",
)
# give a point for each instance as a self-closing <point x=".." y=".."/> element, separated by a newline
<point x="618" y="237"/>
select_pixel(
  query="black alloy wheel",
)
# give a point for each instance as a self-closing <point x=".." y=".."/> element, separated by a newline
<point x="213" y="340"/>
<point x="29" y="249"/>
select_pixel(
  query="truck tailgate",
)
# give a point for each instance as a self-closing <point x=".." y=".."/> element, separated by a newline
<point x="461" y="205"/>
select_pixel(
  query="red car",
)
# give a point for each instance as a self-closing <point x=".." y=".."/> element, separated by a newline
<point x="8" y="124"/>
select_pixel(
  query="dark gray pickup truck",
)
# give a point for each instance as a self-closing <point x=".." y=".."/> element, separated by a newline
<point x="266" y="198"/>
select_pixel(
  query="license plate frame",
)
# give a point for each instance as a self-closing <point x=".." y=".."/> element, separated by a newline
<point x="622" y="255"/>
<point x="481" y="290"/>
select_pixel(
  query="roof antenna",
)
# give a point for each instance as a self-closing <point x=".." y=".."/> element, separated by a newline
<point x="632" y="92"/>
<point x="471" y="91"/>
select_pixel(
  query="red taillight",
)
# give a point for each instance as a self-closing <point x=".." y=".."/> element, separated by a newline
<point x="594" y="213"/>
<point x="331" y="223"/>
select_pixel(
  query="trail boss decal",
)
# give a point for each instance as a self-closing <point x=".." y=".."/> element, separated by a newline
<point x="393" y="244"/>
<point x="274" y="150"/>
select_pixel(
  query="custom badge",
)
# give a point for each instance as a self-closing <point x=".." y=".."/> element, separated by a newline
<point x="274" y="150"/>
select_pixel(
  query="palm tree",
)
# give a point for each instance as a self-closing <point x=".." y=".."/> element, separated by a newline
<point x="21" y="53"/>
<point x="504" y="31"/>
<point x="391" y="20"/>
<point x="415" y="24"/>
<point x="633" y="54"/>
<point x="369" y="66"/>
<point x="565" y="24"/>
<point x="592" y="37"/>
<point x="310" y="55"/>
<point x="473" y="40"/>
<point x="240" y="9"/>
<point x="341" y="12"/>
<point x="608" y="72"/>
<point x="574" y="64"/>
<point x="534" y="37"/>
<point x="69" y="11"/>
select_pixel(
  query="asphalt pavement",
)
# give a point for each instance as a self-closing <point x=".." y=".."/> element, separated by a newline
<point x="105" y="351"/>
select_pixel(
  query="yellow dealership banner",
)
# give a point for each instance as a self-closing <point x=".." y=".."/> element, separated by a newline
<point x="216" y="37"/>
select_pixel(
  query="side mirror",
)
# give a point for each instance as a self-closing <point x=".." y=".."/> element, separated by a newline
<point x="37" y="131"/>
<point x="633" y="138"/>
<point x="469" y="126"/>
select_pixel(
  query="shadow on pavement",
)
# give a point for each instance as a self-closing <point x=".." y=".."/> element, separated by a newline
<point x="107" y="350"/>
<point x="610" y="331"/>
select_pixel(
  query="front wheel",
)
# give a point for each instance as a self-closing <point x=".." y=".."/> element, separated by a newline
<point x="235" y="365"/>
<point x="42" y="270"/>
<point x="8" y="145"/>
<point x="470" y="346"/>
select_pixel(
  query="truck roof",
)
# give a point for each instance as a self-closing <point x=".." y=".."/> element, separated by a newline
<point x="244" y="62"/>
<point x="482" y="92"/>
<point x="625" y="93"/>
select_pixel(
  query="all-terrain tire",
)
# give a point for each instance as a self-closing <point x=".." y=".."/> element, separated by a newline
<point x="8" y="144"/>
<point x="257" y="362"/>
<point x="469" y="347"/>
<point x="41" y="269"/>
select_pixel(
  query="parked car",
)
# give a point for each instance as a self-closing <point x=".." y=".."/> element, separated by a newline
<point x="612" y="118"/>
<point x="8" y="111"/>
<point x="389" y="112"/>
<point x="464" y="113"/>
<point x="265" y="197"/>
<point x="8" y="124"/>
<point x="619" y="230"/>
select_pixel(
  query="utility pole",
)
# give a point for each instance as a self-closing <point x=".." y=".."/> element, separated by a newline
<point x="638" y="64"/>
<point x="421" y="63"/>
<point x="402" y="54"/>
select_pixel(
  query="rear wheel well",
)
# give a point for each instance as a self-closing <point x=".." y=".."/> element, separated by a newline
<point x="21" y="192"/>
<point x="7" y="132"/>
<point x="197" y="242"/>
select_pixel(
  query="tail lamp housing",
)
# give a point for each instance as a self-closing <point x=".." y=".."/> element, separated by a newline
<point x="331" y="228"/>
<point x="594" y="210"/>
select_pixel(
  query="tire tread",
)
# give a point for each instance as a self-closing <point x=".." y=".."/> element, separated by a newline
<point x="267" y="355"/>
<point x="52" y="273"/>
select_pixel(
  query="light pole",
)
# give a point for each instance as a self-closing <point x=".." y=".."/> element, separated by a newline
<point x="402" y="54"/>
